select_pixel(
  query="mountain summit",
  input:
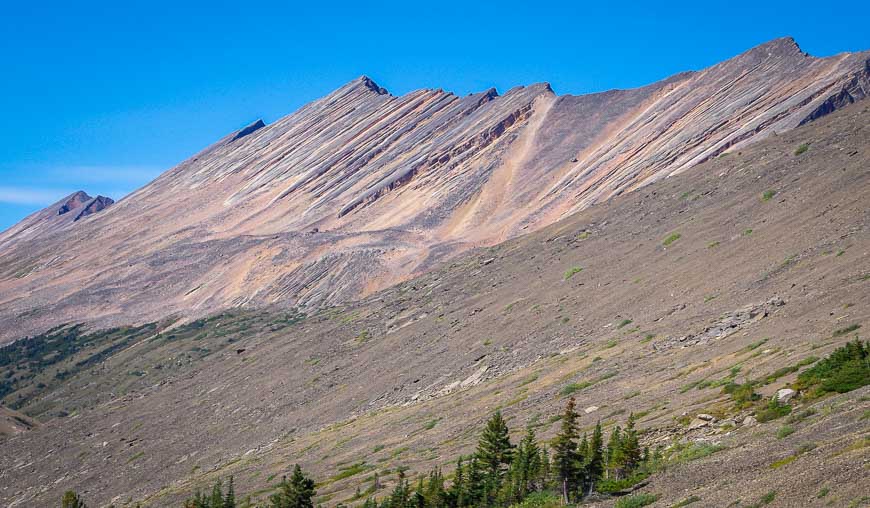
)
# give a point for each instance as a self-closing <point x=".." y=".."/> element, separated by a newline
<point x="361" y="189"/>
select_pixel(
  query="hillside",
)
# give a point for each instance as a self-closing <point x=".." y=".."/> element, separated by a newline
<point x="741" y="268"/>
<point x="361" y="189"/>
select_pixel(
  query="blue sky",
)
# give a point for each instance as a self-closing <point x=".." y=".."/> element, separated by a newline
<point x="103" y="96"/>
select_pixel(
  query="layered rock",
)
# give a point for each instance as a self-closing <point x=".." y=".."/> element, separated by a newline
<point x="392" y="185"/>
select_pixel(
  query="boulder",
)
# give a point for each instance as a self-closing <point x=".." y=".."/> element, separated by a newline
<point x="784" y="395"/>
<point x="706" y="417"/>
<point x="591" y="409"/>
<point x="750" y="421"/>
<point x="698" y="423"/>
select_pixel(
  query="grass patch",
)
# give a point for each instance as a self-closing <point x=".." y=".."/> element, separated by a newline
<point x="136" y="457"/>
<point x="844" y="331"/>
<point x="802" y="148"/>
<point x="576" y="387"/>
<point x="688" y="452"/>
<point x="768" y="195"/>
<point x="671" y="239"/>
<point x="784" y="431"/>
<point x="574" y="270"/>
<point x="686" y="502"/>
<point x="636" y="501"/>
<point x="623" y="323"/>
<point x="823" y="492"/>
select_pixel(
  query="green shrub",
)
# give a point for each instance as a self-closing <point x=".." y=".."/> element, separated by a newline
<point x="689" y="452"/>
<point x="610" y="486"/>
<point x="572" y="271"/>
<point x="743" y="395"/>
<point x="636" y="501"/>
<point x="845" y="369"/>
<point x="540" y="500"/>
<point x="623" y="323"/>
<point x="784" y="431"/>
<point x="671" y="239"/>
<point x="773" y="411"/>
<point x="768" y="195"/>
<point x="802" y="148"/>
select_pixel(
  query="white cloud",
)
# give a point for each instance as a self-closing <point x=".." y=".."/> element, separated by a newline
<point x="32" y="195"/>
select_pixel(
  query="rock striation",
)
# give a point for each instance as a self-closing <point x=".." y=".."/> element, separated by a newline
<point x="392" y="185"/>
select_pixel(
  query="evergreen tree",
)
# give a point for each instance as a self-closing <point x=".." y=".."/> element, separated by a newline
<point x="614" y="459"/>
<point x="217" y="496"/>
<point x="525" y="469"/>
<point x="435" y="494"/>
<point x="72" y="500"/>
<point x="296" y="493"/>
<point x="401" y="495"/>
<point x="474" y="484"/>
<point x="583" y="465"/>
<point x="565" y="457"/>
<point x="631" y="452"/>
<point x="595" y="458"/>
<point x="230" y="497"/>
<point x="458" y="491"/>
<point x="544" y="473"/>
<point x="494" y="452"/>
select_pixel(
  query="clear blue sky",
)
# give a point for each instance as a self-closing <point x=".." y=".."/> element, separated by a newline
<point x="103" y="96"/>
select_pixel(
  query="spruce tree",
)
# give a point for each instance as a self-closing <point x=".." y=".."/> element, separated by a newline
<point x="217" y="496"/>
<point x="230" y="497"/>
<point x="614" y="459"/>
<point x="565" y="452"/>
<point x="525" y="469"/>
<point x="401" y="495"/>
<point x="494" y="450"/>
<point x="631" y="452"/>
<point x="458" y="491"/>
<point x="295" y="493"/>
<point x="595" y="460"/>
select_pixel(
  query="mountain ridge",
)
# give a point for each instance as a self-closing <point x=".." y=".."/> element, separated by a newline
<point x="361" y="189"/>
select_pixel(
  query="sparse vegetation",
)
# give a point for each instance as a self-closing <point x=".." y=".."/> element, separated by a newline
<point x="671" y="239"/>
<point x="773" y="411"/>
<point x="572" y="272"/>
<point x="686" y="502"/>
<point x="802" y="148"/>
<point x="845" y="369"/>
<point x="768" y="195"/>
<point x="784" y="431"/>
<point x="636" y="501"/>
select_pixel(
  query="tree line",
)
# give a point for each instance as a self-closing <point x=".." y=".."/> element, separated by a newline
<point x="498" y="474"/>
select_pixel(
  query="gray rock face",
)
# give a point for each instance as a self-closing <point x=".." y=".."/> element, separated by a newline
<point x="394" y="185"/>
<point x="784" y="395"/>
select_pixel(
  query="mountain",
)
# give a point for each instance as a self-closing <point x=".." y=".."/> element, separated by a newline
<point x="360" y="190"/>
<point x="740" y="273"/>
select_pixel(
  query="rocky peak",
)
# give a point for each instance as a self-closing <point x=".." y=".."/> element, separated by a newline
<point x="73" y="201"/>
<point x="95" y="205"/>
<point x="782" y="47"/>
<point x="259" y="124"/>
<point x="367" y="82"/>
